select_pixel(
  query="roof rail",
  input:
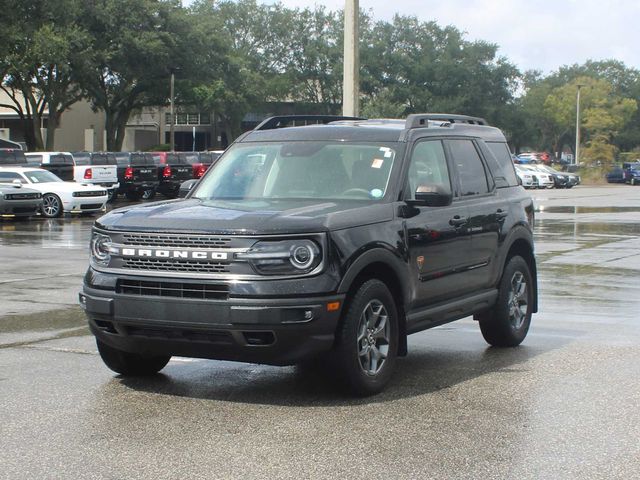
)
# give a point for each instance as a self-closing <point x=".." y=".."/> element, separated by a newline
<point x="418" y="120"/>
<point x="282" y="121"/>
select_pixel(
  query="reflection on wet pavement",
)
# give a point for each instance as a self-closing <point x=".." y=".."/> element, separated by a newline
<point x="563" y="405"/>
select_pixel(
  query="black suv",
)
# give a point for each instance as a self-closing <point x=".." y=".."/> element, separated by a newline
<point x="330" y="242"/>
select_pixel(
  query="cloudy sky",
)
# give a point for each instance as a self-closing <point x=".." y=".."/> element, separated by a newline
<point x="533" y="34"/>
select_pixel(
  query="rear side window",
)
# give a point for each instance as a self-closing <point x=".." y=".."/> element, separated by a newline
<point x="8" y="177"/>
<point x="61" y="159"/>
<point x="473" y="177"/>
<point x="82" y="158"/>
<point x="503" y="156"/>
<point x="191" y="158"/>
<point x="140" y="159"/>
<point x="12" y="157"/>
<point x="122" y="158"/>
<point x="102" y="159"/>
<point x="34" y="159"/>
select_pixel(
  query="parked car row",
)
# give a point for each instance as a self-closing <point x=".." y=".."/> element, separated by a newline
<point x="544" y="176"/>
<point x="53" y="183"/>
<point x="629" y="172"/>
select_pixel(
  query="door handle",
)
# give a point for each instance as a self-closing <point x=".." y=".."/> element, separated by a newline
<point x="501" y="214"/>
<point x="458" y="221"/>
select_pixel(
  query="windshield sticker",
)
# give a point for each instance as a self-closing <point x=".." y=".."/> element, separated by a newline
<point x="377" y="163"/>
<point x="387" y="152"/>
<point x="376" y="193"/>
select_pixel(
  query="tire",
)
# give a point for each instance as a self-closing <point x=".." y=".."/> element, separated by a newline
<point x="366" y="344"/>
<point x="131" y="364"/>
<point x="507" y="323"/>
<point x="133" y="195"/>
<point x="51" y="205"/>
<point x="633" y="181"/>
<point x="148" y="194"/>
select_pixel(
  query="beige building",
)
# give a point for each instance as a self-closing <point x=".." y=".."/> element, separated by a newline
<point x="83" y="129"/>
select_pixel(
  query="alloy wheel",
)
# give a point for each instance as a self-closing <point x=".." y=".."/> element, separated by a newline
<point x="374" y="333"/>
<point x="51" y="206"/>
<point x="518" y="300"/>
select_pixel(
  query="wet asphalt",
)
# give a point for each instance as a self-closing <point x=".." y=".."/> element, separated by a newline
<point x="565" y="404"/>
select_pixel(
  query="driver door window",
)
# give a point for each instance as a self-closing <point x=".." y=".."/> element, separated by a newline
<point x="428" y="168"/>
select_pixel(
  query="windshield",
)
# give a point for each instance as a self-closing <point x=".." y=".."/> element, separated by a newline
<point x="41" y="176"/>
<point x="301" y="170"/>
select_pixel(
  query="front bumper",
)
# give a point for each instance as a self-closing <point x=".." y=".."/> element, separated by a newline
<point x="19" y="208"/>
<point x="276" y="331"/>
<point x="85" y="205"/>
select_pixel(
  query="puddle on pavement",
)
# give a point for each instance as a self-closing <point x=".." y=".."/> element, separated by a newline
<point x="576" y="210"/>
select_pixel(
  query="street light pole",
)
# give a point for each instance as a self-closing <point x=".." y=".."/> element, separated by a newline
<point x="578" y="125"/>
<point x="171" y="114"/>
<point x="351" y="77"/>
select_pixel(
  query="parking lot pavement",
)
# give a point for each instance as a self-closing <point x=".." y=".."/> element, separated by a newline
<point x="563" y="405"/>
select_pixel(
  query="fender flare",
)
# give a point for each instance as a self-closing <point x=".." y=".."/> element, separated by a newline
<point x="520" y="232"/>
<point x="376" y="255"/>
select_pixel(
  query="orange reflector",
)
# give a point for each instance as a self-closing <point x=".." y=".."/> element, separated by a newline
<point x="333" y="306"/>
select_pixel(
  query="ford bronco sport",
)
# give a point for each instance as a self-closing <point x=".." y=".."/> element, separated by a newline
<point x="331" y="241"/>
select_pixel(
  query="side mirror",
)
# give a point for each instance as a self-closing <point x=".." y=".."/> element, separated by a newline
<point x="16" y="183"/>
<point x="432" y="196"/>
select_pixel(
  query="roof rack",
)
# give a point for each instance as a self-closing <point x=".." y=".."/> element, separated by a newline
<point x="283" y="121"/>
<point x="418" y="120"/>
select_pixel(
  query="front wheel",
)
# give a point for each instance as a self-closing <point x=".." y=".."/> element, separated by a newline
<point x="51" y="205"/>
<point x="131" y="364"/>
<point x="507" y="323"/>
<point x="367" y="340"/>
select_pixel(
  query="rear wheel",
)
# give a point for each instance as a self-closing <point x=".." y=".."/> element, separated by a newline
<point x="507" y="323"/>
<point x="367" y="340"/>
<point x="51" y="205"/>
<point x="131" y="364"/>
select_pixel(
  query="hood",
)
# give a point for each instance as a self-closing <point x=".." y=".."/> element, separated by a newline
<point x="246" y="217"/>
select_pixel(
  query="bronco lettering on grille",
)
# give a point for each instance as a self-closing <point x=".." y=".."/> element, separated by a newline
<point x="164" y="253"/>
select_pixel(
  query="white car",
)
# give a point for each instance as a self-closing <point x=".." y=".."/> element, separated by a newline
<point x="58" y="197"/>
<point x="527" y="178"/>
<point x="545" y="179"/>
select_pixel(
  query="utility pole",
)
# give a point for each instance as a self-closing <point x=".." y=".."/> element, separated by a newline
<point x="351" y="76"/>
<point x="172" y="142"/>
<point x="578" y="125"/>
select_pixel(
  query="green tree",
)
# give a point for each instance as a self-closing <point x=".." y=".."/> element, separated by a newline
<point x="423" y="67"/>
<point x="135" y="44"/>
<point x="39" y="62"/>
<point x="604" y="113"/>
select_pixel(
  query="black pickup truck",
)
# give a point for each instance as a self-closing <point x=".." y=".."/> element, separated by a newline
<point x="173" y="169"/>
<point x="328" y="243"/>
<point x="137" y="175"/>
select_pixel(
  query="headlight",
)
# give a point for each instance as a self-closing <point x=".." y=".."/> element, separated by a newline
<point x="100" y="248"/>
<point x="288" y="257"/>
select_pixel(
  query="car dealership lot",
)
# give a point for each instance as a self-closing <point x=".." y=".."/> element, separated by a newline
<point x="563" y="405"/>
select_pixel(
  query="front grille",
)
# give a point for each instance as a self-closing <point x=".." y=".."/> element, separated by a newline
<point x="203" y="291"/>
<point x="92" y="193"/>
<point x="22" y="196"/>
<point x="91" y="206"/>
<point x="184" y="241"/>
<point x="156" y="264"/>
